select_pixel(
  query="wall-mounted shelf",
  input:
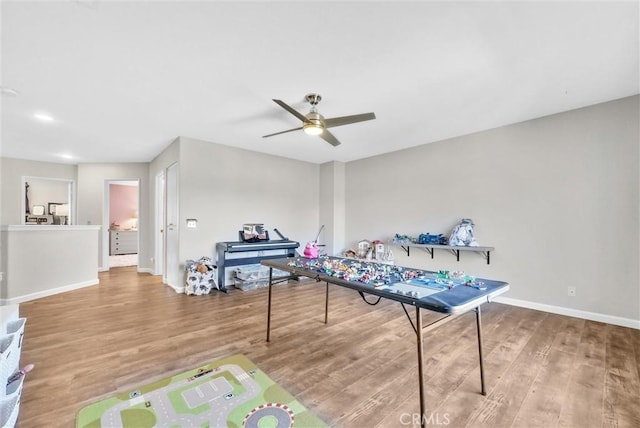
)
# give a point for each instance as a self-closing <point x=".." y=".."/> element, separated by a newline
<point x="455" y="250"/>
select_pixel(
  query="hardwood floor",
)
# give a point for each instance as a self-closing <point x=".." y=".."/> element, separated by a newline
<point x="542" y="370"/>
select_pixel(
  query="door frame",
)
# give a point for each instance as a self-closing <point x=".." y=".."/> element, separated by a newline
<point x="167" y="278"/>
<point x="160" y="224"/>
<point x="105" y="219"/>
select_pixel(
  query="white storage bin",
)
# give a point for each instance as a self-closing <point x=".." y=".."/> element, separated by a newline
<point x="9" y="358"/>
<point x="11" y="335"/>
<point x="9" y="408"/>
<point x="17" y="327"/>
<point x="257" y="271"/>
<point x="250" y="284"/>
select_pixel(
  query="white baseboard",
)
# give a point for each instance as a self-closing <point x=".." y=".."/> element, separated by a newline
<point x="49" y="292"/>
<point x="175" y="288"/>
<point x="140" y="270"/>
<point x="576" y="313"/>
<point x="179" y="290"/>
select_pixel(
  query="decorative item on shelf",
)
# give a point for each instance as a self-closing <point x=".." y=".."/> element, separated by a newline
<point x="389" y="255"/>
<point x="134" y="217"/>
<point x="26" y="198"/>
<point x="462" y="234"/>
<point x="369" y="255"/>
<point x="370" y="251"/>
<point x="378" y="250"/>
<point x="363" y="248"/>
<point x="429" y="239"/>
<point x="38" y="216"/>
<point x="350" y="253"/>
<point x="53" y="206"/>
<point x="404" y="239"/>
<point x="63" y="212"/>
<point x="39" y="219"/>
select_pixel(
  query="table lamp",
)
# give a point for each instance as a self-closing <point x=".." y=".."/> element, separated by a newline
<point x="63" y="212"/>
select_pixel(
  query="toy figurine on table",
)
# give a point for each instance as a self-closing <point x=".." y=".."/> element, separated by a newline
<point x="311" y="249"/>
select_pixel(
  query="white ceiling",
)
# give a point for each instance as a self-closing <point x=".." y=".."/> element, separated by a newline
<point x="123" y="79"/>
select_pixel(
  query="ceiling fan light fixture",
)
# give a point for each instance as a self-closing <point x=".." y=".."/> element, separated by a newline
<point x="312" y="128"/>
<point x="314" y="125"/>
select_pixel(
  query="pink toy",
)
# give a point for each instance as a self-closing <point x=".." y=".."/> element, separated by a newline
<point x="311" y="249"/>
<point x="17" y="375"/>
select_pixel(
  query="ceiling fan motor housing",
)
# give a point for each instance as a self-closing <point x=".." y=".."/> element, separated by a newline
<point x="313" y="99"/>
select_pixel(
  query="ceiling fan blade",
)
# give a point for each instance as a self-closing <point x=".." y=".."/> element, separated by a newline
<point x="329" y="137"/>
<point x="346" y="120"/>
<point x="282" y="132"/>
<point x="291" y="110"/>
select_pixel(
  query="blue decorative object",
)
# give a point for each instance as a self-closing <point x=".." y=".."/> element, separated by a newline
<point x="428" y="239"/>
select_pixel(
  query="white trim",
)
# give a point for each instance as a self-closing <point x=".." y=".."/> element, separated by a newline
<point x="106" y="204"/>
<point x="145" y="270"/>
<point x="179" y="290"/>
<point x="576" y="313"/>
<point x="41" y="227"/>
<point x="50" y="292"/>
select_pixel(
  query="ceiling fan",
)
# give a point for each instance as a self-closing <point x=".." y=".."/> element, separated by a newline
<point x="313" y="123"/>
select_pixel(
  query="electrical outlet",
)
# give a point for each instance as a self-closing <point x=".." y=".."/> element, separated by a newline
<point x="571" y="291"/>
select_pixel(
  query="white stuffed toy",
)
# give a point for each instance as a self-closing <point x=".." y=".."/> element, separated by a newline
<point x="462" y="234"/>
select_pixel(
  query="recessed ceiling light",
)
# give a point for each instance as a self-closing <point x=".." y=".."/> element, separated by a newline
<point x="43" y="117"/>
<point x="66" y="156"/>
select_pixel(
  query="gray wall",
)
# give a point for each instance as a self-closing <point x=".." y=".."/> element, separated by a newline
<point x="557" y="196"/>
<point x="11" y="173"/>
<point x="223" y="187"/>
<point x="92" y="180"/>
<point x="65" y="257"/>
<point x="332" y="206"/>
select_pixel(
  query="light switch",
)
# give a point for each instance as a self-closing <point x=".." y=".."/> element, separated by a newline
<point x="192" y="223"/>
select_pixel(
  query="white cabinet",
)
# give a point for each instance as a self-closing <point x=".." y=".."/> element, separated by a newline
<point x="11" y="332"/>
<point x="123" y="242"/>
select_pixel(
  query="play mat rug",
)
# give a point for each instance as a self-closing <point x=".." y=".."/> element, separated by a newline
<point x="230" y="392"/>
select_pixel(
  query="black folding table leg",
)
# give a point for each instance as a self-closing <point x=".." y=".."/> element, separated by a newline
<point x="479" y="324"/>
<point x="269" y="304"/>
<point x="326" y="305"/>
<point x="423" y="417"/>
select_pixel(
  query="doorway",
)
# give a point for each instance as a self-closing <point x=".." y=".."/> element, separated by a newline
<point x="121" y="218"/>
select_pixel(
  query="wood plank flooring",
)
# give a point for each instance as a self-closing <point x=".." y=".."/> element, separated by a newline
<point x="542" y="370"/>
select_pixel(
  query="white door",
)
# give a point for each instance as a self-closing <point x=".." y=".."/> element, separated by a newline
<point x="172" y="262"/>
<point x="158" y="265"/>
